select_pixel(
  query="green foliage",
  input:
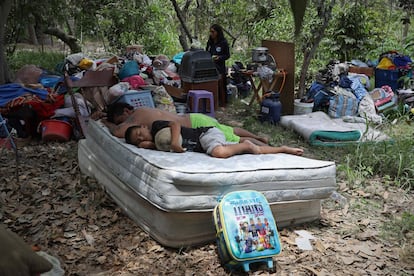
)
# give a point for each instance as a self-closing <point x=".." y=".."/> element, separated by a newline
<point x="46" y="60"/>
<point x="391" y="159"/>
<point x="399" y="228"/>
<point x="349" y="34"/>
<point x="278" y="26"/>
<point x="125" y="23"/>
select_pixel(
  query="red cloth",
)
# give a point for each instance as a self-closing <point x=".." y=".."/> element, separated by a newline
<point x="135" y="81"/>
<point x="45" y="110"/>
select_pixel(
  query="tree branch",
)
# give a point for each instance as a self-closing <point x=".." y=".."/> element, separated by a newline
<point x="181" y="18"/>
<point x="70" y="40"/>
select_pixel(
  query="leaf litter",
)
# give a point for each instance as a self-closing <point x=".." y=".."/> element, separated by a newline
<point x="71" y="217"/>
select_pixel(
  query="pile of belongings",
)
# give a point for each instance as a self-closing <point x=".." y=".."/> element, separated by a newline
<point x="240" y="80"/>
<point x="25" y="102"/>
<point x="342" y="94"/>
<point x="36" y="94"/>
<point x="392" y="60"/>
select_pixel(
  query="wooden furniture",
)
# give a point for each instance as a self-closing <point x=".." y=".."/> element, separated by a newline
<point x="263" y="86"/>
<point x="93" y="86"/>
<point x="284" y="54"/>
<point x="368" y="71"/>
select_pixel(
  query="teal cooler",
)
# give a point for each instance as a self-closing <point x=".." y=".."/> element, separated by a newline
<point x="387" y="77"/>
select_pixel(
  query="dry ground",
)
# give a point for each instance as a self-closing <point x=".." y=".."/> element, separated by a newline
<point x="77" y="222"/>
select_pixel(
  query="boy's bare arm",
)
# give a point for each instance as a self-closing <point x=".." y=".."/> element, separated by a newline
<point x="118" y="130"/>
<point x="147" y="145"/>
<point x="175" y="128"/>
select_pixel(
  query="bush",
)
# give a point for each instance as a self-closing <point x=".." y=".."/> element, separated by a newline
<point x="45" y="60"/>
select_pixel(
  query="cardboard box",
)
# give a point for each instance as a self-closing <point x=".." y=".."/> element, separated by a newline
<point x="369" y="71"/>
<point x="175" y="91"/>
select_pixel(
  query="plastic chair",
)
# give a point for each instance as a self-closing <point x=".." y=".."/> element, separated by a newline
<point x="194" y="97"/>
<point x="9" y="139"/>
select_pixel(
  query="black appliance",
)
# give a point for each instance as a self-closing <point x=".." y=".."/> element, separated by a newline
<point x="198" y="66"/>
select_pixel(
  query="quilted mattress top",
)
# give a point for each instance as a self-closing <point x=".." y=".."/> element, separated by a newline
<point x="188" y="181"/>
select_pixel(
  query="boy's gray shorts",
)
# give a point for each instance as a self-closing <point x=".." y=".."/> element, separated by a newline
<point x="213" y="138"/>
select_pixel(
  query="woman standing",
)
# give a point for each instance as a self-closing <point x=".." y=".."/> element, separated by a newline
<point x="218" y="47"/>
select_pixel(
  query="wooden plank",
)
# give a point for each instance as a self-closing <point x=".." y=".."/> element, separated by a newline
<point x="284" y="54"/>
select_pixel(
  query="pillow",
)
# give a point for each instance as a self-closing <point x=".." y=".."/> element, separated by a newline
<point x="18" y="258"/>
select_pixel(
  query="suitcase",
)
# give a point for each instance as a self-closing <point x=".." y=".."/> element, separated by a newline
<point x="246" y="230"/>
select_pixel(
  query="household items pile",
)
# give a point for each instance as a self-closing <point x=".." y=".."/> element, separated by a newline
<point x="338" y="92"/>
<point x="38" y="95"/>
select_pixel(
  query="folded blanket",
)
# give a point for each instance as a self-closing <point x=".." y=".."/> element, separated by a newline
<point x="13" y="90"/>
<point x="321" y="130"/>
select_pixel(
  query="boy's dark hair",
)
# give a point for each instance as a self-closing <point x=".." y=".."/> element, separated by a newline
<point x="128" y="133"/>
<point x="116" y="109"/>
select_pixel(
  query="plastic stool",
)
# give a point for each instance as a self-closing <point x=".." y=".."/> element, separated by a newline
<point x="194" y="97"/>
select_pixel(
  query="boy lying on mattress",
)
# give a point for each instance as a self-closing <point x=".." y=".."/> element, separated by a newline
<point x="120" y="116"/>
<point x="171" y="136"/>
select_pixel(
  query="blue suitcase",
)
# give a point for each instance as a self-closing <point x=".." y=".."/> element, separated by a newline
<point x="246" y="230"/>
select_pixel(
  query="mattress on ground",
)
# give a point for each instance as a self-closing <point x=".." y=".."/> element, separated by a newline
<point x="194" y="181"/>
<point x="172" y="195"/>
<point x="321" y="130"/>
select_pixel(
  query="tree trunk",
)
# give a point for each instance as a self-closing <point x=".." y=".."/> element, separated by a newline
<point x="71" y="41"/>
<point x="32" y="34"/>
<point x="5" y="6"/>
<point x="406" y="27"/>
<point x="298" y="9"/>
<point x="182" y="20"/>
<point x="324" y="12"/>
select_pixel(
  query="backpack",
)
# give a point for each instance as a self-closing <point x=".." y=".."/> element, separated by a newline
<point x="246" y="230"/>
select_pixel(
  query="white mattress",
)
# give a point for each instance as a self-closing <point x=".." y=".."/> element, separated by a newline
<point x="177" y="184"/>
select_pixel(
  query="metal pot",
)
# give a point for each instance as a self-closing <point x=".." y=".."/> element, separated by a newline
<point x="259" y="54"/>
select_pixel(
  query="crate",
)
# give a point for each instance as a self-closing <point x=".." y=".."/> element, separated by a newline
<point x="137" y="98"/>
<point x="387" y="77"/>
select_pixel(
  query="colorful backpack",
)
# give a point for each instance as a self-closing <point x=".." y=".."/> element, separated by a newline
<point x="246" y="230"/>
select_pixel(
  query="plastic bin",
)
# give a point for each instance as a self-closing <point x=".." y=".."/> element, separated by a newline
<point x="387" y="77"/>
<point x="137" y="98"/>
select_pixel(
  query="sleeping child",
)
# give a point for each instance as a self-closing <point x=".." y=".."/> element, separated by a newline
<point x="171" y="136"/>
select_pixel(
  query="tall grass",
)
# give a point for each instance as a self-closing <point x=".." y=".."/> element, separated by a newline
<point x="45" y="60"/>
<point x="392" y="160"/>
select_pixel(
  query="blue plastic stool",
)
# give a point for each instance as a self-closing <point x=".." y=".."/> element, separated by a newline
<point x="194" y="97"/>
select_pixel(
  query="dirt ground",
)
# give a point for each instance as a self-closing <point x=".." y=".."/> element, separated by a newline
<point x="73" y="219"/>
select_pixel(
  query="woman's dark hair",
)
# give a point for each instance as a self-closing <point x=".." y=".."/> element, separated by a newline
<point x="219" y="30"/>
<point x="116" y="109"/>
<point x="128" y="134"/>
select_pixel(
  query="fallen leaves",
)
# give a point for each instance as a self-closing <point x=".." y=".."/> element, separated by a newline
<point x="78" y="223"/>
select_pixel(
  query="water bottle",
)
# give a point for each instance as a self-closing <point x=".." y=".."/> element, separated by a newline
<point x="271" y="108"/>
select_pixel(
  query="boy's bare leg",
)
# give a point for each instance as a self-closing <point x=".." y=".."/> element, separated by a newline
<point x="253" y="140"/>
<point x="247" y="134"/>
<point x="282" y="149"/>
<point x="235" y="149"/>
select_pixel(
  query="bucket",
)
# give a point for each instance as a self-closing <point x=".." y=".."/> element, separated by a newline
<point x="302" y="108"/>
<point x="55" y="130"/>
